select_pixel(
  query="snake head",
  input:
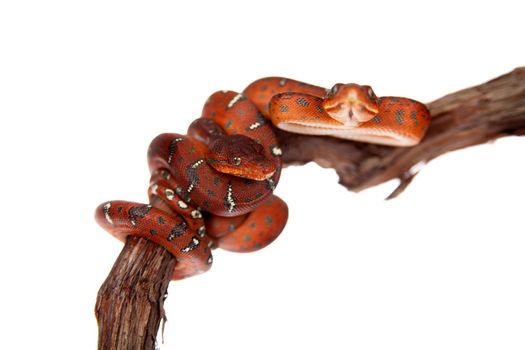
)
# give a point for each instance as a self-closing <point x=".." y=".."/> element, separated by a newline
<point x="239" y="155"/>
<point x="351" y="104"/>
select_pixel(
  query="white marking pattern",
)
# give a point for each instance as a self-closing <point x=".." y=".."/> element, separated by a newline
<point x="106" y="213"/>
<point x="196" y="214"/>
<point x="230" y="202"/>
<point x="169" y="193"/>
<point x="255" y="125"/>
<point x="235" y="100"/>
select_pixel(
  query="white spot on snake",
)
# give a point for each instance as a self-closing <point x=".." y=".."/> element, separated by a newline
<point x="154" y="188"/>
<point x="196" y="214"/>
<point x="282" y="82"/>
<point x="106" y="213"/>
<point x="276" y="151"/>
<point x="193" y="244"/>
<point x="182" y="204"/>
<point x="197" y="163"/>
<point x="201" y="231"/>
<point x="169" y="193"/>
<point x="173" y="148"/>
<point x="165" y="175"/>
<point x="230" y="202"/>
<point x="271" y="184"/>
<point x="210" y="260"/>
<point x="255" y="125"/>
<point x="193" y="167"/>
<point x="235" y="100"/>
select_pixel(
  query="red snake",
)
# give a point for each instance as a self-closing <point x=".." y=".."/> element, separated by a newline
<point x="347" y="111"/>
<point x="213" y="186"/>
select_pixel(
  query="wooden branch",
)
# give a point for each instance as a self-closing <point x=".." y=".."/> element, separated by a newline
<point x="130" y="302"/>
<point x="465" y="118"/>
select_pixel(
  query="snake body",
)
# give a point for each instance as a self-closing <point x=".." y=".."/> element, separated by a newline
<point x="348" y="111"/>
<point x="209" y="188"/>
<point x="213" y="187"/>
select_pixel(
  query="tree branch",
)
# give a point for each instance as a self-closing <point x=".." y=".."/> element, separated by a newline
<point x="130" y="302"/>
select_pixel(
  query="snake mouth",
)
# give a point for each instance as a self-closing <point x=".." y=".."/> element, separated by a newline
<point x="266" y="176"/>
<point x="351" y="104"/>
<point x="258" y="168"/>
<point x="351" y="112"/>
<point x="364" y="111"/>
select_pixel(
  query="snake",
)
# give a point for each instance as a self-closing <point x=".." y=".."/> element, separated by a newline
<point x="210" y="188"/>
<point x="213" y="186"/>
<point x="345" y="111"/>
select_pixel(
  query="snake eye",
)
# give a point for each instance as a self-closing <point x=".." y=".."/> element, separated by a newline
<point x="371" y="93"/>
<point x="236" y="161"/>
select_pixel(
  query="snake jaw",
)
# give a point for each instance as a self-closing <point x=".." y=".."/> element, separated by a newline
<point x="351" y="104"/>
<point x="257" y="172"/>
<point x="252" y="167"/>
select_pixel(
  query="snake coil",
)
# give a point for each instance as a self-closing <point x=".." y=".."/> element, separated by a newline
<point x="213" y="187"/>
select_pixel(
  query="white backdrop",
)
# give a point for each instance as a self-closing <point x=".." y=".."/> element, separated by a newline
<point x="86" y="85"/>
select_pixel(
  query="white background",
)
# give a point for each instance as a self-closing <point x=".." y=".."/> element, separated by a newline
<point x="86" y="85"/>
